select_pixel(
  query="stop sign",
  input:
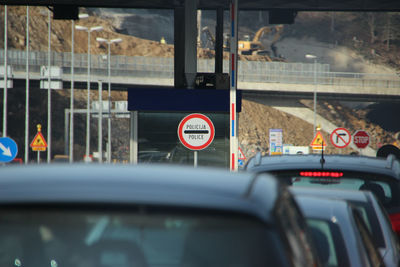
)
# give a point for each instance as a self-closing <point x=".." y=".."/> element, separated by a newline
<point x="361" y="139"/>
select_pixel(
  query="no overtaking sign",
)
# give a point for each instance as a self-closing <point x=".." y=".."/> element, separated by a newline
<point x="196" y="131"/>
<point x="340" y="137"/>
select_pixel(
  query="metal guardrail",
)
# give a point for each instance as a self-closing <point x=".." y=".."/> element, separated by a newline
<point x="159" y="67"/>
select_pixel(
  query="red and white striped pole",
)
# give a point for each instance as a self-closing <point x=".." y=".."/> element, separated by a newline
<point x="233" y="85"/>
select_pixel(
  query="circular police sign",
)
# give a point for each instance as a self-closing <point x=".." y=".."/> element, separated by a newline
<point x="196" y="131"/>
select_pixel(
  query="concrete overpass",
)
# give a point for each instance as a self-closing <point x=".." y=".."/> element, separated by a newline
<point x="272" y="89"/>
<point x="275" y="79"/>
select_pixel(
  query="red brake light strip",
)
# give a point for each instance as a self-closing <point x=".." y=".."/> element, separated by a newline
<point x="321" y="174"/>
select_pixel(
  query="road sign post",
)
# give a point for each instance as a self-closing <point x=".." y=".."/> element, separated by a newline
<point x="8" y="149"/>
<point x="196" y="132"/>
<point x="233" y="74"/>
<point x="340" y="137"/>
<point x="195" y="158"/>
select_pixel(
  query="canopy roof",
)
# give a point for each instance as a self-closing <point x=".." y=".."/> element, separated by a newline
<point x="299" y="5"/>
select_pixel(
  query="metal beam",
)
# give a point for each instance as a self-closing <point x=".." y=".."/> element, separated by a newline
<point x="190" y="22"/>
<point x="300" y="5"/>
<point x="219" y="41"/>
<point x="179" y="46"/>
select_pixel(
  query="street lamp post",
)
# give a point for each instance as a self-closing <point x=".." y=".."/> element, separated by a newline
<point x="5" y="73"/>
<point x="109" y="42"/>
<point x="100" y="122"/>
<point x="88" y="30"/>
<point x="315" y="88"/>
<point x="49" y="91"/>
<point x="27" y="90"/>
<point x="71" y="119"/>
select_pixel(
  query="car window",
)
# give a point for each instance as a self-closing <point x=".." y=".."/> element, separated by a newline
<point x="371" y="250"/>
<point x="393" y="236"/>
<point x="297" y="233"/>
<point x="384" y="188"/>
<point x="329" y="241"/>
<point x="344" y="183"/>
<point x="101" y="239"/>
<point x="371" y="221"/>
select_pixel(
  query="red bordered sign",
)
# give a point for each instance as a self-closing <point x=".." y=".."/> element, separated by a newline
<point x="196" y="131"/>
<point x="361" y="139"/>
<point x="340" y="137"/>
<point x="38" y="143"/>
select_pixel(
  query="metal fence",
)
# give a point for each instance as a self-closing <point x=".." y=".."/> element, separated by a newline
<point x="159" y="67"/>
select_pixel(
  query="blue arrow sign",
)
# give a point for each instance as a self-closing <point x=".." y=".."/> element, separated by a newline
<point x="8" y="149"/>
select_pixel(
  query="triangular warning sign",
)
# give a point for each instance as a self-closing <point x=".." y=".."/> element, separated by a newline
<point x="38" y="142"/>
<point x="318" y="140"/>
<point x="241" y="154"/>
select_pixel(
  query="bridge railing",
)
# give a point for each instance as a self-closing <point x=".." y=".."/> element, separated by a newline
<point x="159" y="67"/>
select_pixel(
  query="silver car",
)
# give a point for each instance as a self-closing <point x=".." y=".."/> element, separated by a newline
<point x="374" y="214"/>
<point x="381" y="176"/>
<point x="340" y="233"/>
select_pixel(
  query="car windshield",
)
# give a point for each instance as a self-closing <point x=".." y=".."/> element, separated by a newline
<point x="31" y="237"/>
<point x="304" y="77"/>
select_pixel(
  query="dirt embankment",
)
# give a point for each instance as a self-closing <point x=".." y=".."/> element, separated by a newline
<point x="256" y="119"/>
<point x="61" y="35"/>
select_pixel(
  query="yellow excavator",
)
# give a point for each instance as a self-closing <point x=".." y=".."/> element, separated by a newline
<point x="251" y="47"/>
<point x="254" y="47"/>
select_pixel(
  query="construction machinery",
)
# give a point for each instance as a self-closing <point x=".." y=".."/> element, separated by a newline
<point x="210" y="37"/>
<point x="254" y="46"/>
<point x="251" y="47"/>
<point x="210" y="43"/>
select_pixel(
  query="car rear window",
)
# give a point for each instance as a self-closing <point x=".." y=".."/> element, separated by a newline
<point x="84" y="238"/>
<point x="385" y="188"/>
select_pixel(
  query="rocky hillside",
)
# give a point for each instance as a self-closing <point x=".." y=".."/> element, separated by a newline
<point x="61" y="35"/>
<point x="256" y="119"/>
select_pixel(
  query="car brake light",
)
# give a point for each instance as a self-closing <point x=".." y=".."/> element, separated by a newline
<point x="395" y="220"/>
<point x="321" y="174"/>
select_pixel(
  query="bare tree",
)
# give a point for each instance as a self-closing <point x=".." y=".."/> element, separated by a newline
<point x="372" y="25"/>
<point x="392" y="28"/>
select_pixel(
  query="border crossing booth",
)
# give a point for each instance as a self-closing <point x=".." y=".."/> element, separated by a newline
<point x="156" y="114"/>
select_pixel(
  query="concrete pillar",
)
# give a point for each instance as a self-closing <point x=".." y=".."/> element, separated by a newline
<point x="190" y="19"/>
<point x="219" y="41"/>
<point x="179" y="44"/>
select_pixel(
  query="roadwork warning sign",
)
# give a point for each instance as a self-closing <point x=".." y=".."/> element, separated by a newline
<point x="38" y="142"/>
<point x="318" y="142"/>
